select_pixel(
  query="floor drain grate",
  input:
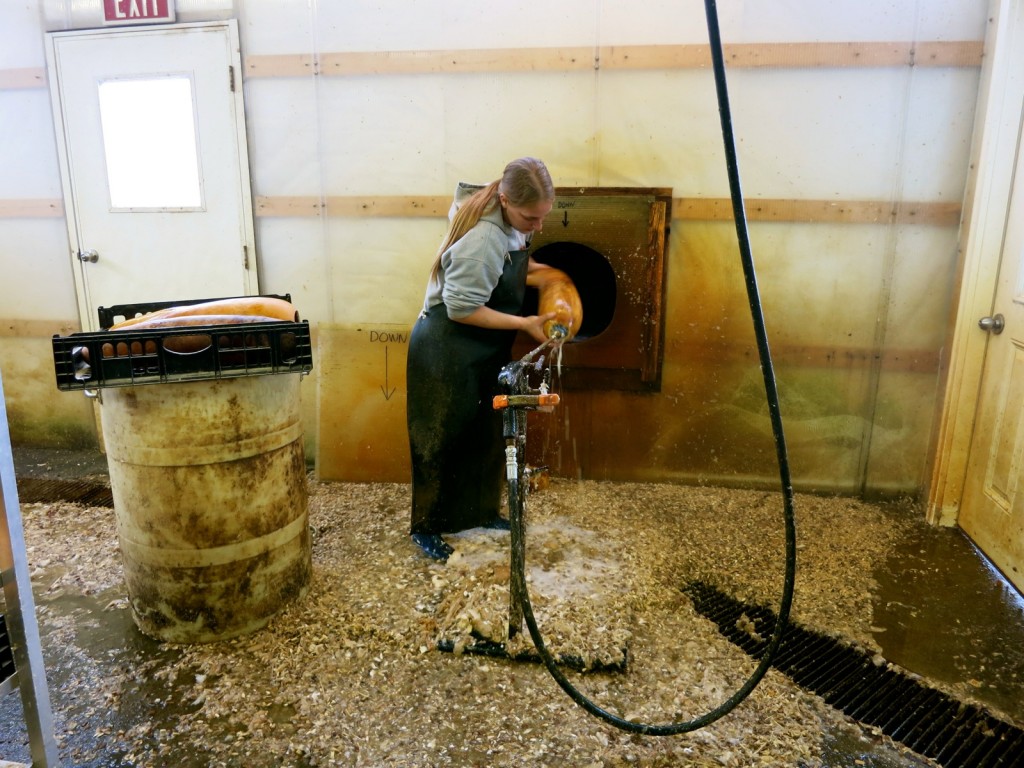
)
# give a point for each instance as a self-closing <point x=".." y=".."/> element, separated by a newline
<point x="866" y="688"/>
<point x="6" y="653"/>
<point x="92" y="493"/>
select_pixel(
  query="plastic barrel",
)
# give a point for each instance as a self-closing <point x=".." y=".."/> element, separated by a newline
<point x="209" y="487"/>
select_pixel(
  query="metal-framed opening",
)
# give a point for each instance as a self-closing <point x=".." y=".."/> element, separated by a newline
<point x="611" y="241"/>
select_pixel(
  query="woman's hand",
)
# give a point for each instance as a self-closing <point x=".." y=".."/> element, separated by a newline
<point x="534" y="325"/>
<point x="485" y="317"/>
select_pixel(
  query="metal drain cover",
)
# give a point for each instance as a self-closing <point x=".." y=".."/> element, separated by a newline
<point x="93" y="493"/>
<point x="867" y="688"/>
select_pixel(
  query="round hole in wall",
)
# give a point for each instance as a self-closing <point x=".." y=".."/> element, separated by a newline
<point x="593" y="277"/>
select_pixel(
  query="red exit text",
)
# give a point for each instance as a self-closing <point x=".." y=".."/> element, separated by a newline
<point x="135" y="11"/>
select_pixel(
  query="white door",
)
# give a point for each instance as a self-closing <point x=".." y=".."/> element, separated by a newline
<point x="992" y="512"/>
<point x="151" y="136"/>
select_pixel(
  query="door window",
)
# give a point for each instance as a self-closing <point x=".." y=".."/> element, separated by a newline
<point x="149" y="141"/>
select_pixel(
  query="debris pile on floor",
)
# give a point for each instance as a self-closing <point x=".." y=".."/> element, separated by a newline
<point x="578" y="590"/>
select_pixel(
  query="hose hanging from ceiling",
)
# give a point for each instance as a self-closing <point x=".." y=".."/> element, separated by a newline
<point x="516" y="495"/>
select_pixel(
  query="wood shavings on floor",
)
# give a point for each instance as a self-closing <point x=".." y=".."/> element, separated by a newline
<point x="350" y="675"/>
<point x="578" y="591"/>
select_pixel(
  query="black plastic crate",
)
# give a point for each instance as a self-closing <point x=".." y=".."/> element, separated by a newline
<point x="130" y="357"/>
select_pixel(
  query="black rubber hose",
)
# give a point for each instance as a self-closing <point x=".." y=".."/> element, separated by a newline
<point x="772" y="395"/>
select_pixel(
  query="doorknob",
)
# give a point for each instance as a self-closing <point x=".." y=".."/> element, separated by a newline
<point x="91" y="256"/>
<point x="995" y="324"/>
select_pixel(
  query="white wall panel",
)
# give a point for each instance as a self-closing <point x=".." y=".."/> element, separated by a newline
<point x="655" y="22"/>
<point x="806" y="136"/>
<point x="660" y="129"/>
<point x="798" y="135"/>
<point x="950" y="20"/>
<point x="922" y="284"/>
<point x="820" y="285"/>
<point x="749" y="21"/>
<point x="267" y="27"/>
<point x="383" y="135"/>
<point x="21" y="42"/>
<point x="491" y="119"/>
<point x="901" y="414"/>
<point x="37" y="271"/>
<point x="382" y="25"/>
<point x="379" y="268"/>
<point x="293" y="259"/>
<point x="284" y="136"/>
<point x="939" y="123"/>
<point x="460" y="24"/>
<point x="28" y="149"/>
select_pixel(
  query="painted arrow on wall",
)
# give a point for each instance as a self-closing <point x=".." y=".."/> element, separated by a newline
<point x="384" y="389"/>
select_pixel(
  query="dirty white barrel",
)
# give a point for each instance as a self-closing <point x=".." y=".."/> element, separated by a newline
<point x="209" y="487"/>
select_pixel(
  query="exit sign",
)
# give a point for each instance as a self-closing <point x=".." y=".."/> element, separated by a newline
<point x="117" y="12"/>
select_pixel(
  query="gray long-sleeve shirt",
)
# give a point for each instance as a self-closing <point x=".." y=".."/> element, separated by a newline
<point x="472" y="266"/>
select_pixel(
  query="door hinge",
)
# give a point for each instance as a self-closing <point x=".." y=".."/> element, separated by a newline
<point x="245" y="256"/>
<point x="231" y="78"/>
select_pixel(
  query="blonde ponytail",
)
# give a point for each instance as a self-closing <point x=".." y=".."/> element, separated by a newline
<point x="524" y="182"/>
<point x="466" y="217"/>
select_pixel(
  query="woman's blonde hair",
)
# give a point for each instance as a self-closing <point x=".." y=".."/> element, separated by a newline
<point x="525" y="181"/>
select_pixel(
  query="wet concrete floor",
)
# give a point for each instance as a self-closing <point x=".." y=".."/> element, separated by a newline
<point x="941" y="612"/>
<point x="944" y="612"/>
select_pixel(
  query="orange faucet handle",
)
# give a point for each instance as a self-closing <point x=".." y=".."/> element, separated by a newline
<point x="524" y="401"/>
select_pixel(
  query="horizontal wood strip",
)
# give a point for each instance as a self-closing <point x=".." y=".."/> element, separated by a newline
<point x="404" y="206"/>
<point x="31" y="208"/>
<point x="683" y="208"/>
<point x="690" y="209"/>
<point x="839" y="211"/>
<point x="955" y="53"/>
<point x="432" y="62"/>
<point x="12" y="328"/>
<point x="25" y="77"/>
<point x="804" y="356"/>
<point x="964" y="53"/>
<point x="967" y="53"/>
<point x="279" y="65"/>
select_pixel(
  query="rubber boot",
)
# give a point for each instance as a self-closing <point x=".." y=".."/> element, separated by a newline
<point x="433" y="546"/>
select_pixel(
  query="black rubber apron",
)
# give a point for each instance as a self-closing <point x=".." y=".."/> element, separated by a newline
<point x="455" y="440"/>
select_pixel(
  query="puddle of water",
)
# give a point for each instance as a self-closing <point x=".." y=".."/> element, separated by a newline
<point x="843" y="749"/>
<point x="943" y="612"/>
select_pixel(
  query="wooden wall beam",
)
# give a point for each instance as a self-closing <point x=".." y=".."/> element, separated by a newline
<point x="25" y="77"/>
<point x="434" y="62"/>
<point x="16" y="328"/>
<point x="941" y="53"/>
<point x="896" y="360"/>
<point x="954" y="53"/>
<point x="280" y="65"/>
<point x="821" y="211"/>
<point x="30" y="208"/>
<point x="683" y="208"/>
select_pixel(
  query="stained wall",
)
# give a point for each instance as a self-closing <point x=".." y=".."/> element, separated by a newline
<point x="853" y="122"/>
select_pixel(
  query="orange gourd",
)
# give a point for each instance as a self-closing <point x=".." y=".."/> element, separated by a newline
<point x="151" y="322"/>
<point x="264" y="307"/>
<point x="557" y="293"/>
